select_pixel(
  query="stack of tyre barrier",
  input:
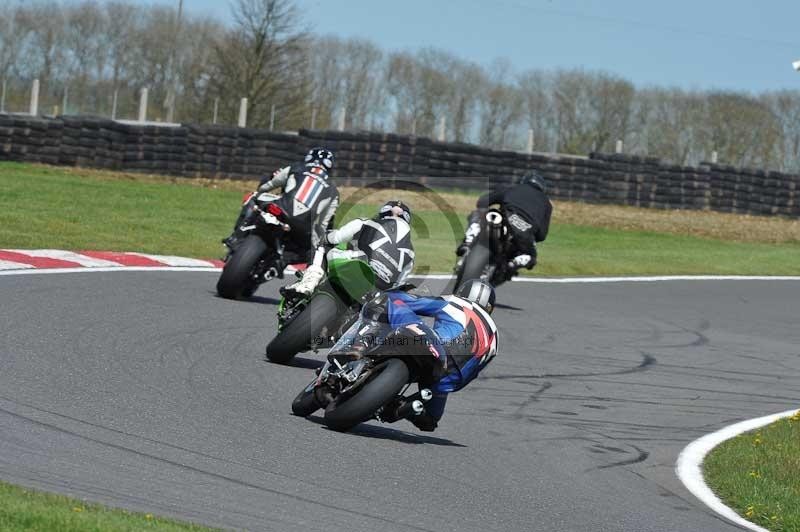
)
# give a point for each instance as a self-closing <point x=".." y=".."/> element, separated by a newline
<point x="28" y="139"/>
<point x="393" y="161"/>
<point x="371" y="159"/>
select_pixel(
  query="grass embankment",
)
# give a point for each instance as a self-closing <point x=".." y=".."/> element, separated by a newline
<point x="47" y="207"/>
<point x="23" y="510"/>
<point x="758" y="474"/>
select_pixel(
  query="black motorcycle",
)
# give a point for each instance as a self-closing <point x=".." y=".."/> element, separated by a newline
<point x="260" y="252"/>
<point x="488" y="257"/>
<point x="370" y="369"/>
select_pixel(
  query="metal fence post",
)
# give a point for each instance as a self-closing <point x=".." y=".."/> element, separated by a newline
<point x="313" y="117"/>
<point x="530" y="141"/>
<point x="272" y="117"/>
<point x="3" y="97"/>
<point x="171" y="106"/>
<point x="441" y="135"/>
<point x="64" y="99"/>
<point x="619" y="146"/>
<point x="342" y="119"/>
<point x="114" y="105"/>
<point x="243" y="113"/>
<point x="143" y="105"/>
<point x="34" y="108"/>
<point x="216" y="110"/>
<point x="714" y="156"/>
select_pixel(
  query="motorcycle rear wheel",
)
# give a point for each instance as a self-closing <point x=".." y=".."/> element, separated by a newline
<point x="387" y="380"/>
<point x="474" y="264"/>
<point x="236" y="279"/>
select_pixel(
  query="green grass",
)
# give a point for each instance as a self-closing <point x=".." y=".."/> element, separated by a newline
<point x="758" y="474"/>
<point x="47" y="207"/>
<point x="23" y="510"/>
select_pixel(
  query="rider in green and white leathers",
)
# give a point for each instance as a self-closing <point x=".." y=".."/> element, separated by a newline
<point x="384" y="242"/>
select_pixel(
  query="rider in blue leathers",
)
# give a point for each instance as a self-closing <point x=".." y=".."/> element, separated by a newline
<point x="466" y="338"/>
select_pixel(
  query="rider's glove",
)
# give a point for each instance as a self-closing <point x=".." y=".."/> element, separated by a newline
<point x="522" y="261"/>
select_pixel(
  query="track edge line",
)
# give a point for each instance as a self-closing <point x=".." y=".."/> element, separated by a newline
<point x="688" y="467"/>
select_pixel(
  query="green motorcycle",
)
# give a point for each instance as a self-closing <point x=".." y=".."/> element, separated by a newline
<point x="310" y="322"/>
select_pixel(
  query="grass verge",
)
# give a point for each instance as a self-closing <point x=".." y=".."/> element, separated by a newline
<point x="68" y="208"/>
<point x="23" y="510"/>
<point x="758" y="474"/>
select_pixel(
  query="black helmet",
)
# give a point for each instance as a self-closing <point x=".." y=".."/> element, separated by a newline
<point x="479" y="292"/>
<point x="534" y="179"/>
<point x="322" y="157"/>
<point x="395" y="208"/>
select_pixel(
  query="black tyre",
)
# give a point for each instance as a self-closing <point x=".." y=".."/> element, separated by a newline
<point x="297" y="335"/>
<point x="386" y="382"/>
<point x="236" y="279"/>
<point x="305" y="403"/>
<point x="474" y="264"/>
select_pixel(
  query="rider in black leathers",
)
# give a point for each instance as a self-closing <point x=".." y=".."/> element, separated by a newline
<point x="309" y="198"/>
<point x="528" y="210"/>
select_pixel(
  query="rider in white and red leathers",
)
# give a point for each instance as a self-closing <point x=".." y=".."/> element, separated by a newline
<point x="308" y="197"/>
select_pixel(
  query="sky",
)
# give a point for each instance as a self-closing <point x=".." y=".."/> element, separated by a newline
<point x="745" y="45"/>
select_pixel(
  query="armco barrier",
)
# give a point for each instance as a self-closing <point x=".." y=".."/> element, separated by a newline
<point x="246" y="153"/>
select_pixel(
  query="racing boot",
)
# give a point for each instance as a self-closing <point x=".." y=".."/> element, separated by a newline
<point x="424" y="422"/>
<point x="231" y="241"/>
<point x="473" y="230"/>
<point x="236" y="236"/>
<point x="308" y="283"/>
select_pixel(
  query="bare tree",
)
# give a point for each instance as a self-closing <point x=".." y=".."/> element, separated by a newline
<point x="194" y="68"/>
<point x="785" y="106"/>
<point x="501" y="107"/>
<point x="13" y="33"/>
<point x="419" y="92"/>
<point x="85" y="51"/>
<point x="44" y="21"/>
<point x="122" y="21"/>
<point x="668" y="124"/>
<point x="611" y="101"/>
<point x="347" y="74"/>
<point x="537" y="92"/>
<point x="461" y="83"/>
<point x="742" y="129"/>
<point x="263" y="58"/>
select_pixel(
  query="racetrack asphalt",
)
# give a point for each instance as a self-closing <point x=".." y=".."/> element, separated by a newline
<point x="144" y="390"/>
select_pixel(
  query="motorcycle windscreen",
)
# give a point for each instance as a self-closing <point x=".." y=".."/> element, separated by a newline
<point x="363" y="335"/>
<point x="355" y="277"/>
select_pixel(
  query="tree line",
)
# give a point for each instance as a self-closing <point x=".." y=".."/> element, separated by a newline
<point x="197" y="68"/>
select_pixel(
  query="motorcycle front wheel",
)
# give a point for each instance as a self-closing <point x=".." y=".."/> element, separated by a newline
<point x="386" y="381"/>
<point x="297" y="335"/>
<point x="236" y="279"/>
<point x="474" y="264"/>
<point x="306" y="403"/>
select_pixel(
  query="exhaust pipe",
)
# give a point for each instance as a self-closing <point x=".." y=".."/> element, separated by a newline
<point x="410" y="409"/>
